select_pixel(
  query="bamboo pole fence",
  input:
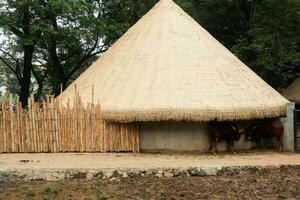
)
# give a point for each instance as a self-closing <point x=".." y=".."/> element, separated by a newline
<point x="51" y="127"/>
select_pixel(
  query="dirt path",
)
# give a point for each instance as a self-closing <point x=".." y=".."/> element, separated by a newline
<point x="276" y="183"/>
<point x="99" y="161"/>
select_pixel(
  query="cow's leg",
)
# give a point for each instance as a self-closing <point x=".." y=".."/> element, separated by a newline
<point x="211" y="146"/>
<point x="214" y="147"/>
<point x="279" y="144"/>
<point x="230" y="147"/>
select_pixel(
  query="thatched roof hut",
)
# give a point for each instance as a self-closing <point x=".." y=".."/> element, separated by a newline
<point x="167" y="67"/>
<point x="292" y="92"/>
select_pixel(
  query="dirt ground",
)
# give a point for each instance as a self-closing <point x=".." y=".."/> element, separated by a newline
<point x="274" y="183"/>
<point x="143" y="161"/>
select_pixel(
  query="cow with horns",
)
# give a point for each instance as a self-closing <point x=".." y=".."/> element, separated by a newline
<point x="266" y="129"/>
<point x="223" y="131"/>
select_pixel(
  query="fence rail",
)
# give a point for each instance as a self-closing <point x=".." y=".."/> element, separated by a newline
<point x="50" y="127"/>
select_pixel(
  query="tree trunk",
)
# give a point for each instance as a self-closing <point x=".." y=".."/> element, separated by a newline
<point x="59" y="76"/>
<point x="28" y="54"/>
<point x="25" y="82"/>
<point x="39" y="93"/>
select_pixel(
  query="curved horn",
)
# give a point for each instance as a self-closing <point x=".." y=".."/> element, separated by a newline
<point x="233" y="127"/>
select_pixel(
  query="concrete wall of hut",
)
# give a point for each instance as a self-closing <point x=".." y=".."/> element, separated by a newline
<point x="179" y="136"/>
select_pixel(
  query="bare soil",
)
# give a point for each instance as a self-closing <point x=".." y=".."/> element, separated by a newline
<point x="267" y="183"/>
<point x="143" y="161"/>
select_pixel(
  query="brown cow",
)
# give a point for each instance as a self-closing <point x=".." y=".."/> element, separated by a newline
<point x="267" y="129"/>
<point x="223" y="131"/>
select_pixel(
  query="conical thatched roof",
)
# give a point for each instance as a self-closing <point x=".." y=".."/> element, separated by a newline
<point x="292" y="92"/>
<point x="167" y="67"/>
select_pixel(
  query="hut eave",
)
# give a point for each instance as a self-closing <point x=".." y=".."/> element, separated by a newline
<point x="200" y="115"/>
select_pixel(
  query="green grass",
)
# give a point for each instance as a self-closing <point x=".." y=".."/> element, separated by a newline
<point x="100" y="195"/>
<point x="29" y="193"/>
<point x="49" y="190"/>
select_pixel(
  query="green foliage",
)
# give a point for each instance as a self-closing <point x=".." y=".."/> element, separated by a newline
<point x="66" y="36"/>
<point x="12" y="19"/>
<point x="29" y="194"/>
<point x="272" y="45"/>
<point x="264" y="34"/>
<point x="49" y="190"/>
<point x="8" y="81"/>
<point x="101" y="195"/>
<point x="79" y="31"/>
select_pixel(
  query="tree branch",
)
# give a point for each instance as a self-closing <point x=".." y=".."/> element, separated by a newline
<point x="11" y="68"/>
<point x="16" y="31"/>
<point x="17" y="70"/>
<point x="84" y="58"/>
<point x="11" y="56"/>
<point x="8" y="65"/>
<point x="71" y="55"/>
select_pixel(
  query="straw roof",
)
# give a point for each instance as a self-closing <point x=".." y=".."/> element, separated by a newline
<point x="167" y="67"/>
<point x="292" y="92"/>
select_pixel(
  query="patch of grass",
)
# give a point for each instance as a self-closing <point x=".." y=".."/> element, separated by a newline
<point x="101" y="195"/>
<point x="29" y="193"/>
<point x="49" y="190"/>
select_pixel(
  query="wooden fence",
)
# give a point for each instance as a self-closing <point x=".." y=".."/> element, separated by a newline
<point x="50" y="127"/>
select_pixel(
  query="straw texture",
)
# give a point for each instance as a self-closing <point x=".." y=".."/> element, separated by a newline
<point x="292" y="92"/>
<point x="167" y="67"/>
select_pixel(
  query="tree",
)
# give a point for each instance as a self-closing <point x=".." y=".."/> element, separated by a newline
<point x="271" y="45"/>
<point x="89" y="28"/>
<point x="19" y="18"/>
<point x="263" y="34"/>
<point x="63" y="37"/>
<point x="74" y="34"/>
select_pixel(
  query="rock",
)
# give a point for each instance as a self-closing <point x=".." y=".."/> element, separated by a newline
<point x="134" y="172"/>
<point x="193" y="171"/>
<point x="113" y="179"/>
<point x="125" y="175"/>
<point x="204" y="171"/>
<point x="98" y="174"/>
<point x="54" y="176"/>
<point x="211" y="171"/>
<point x="130" y="173"/>
<point x="149" y="172"/>
<point x="159" y="175"/>
<point x="108" y="174"/>
<point x="176" y="172"/>
<point x="90" y="175"/>
<point x="79" y="175"/>
<point x="168" y="174"/>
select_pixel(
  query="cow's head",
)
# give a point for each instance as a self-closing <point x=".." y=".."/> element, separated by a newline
<point x="251" y="132"/>
<point x="237" y="132"/>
